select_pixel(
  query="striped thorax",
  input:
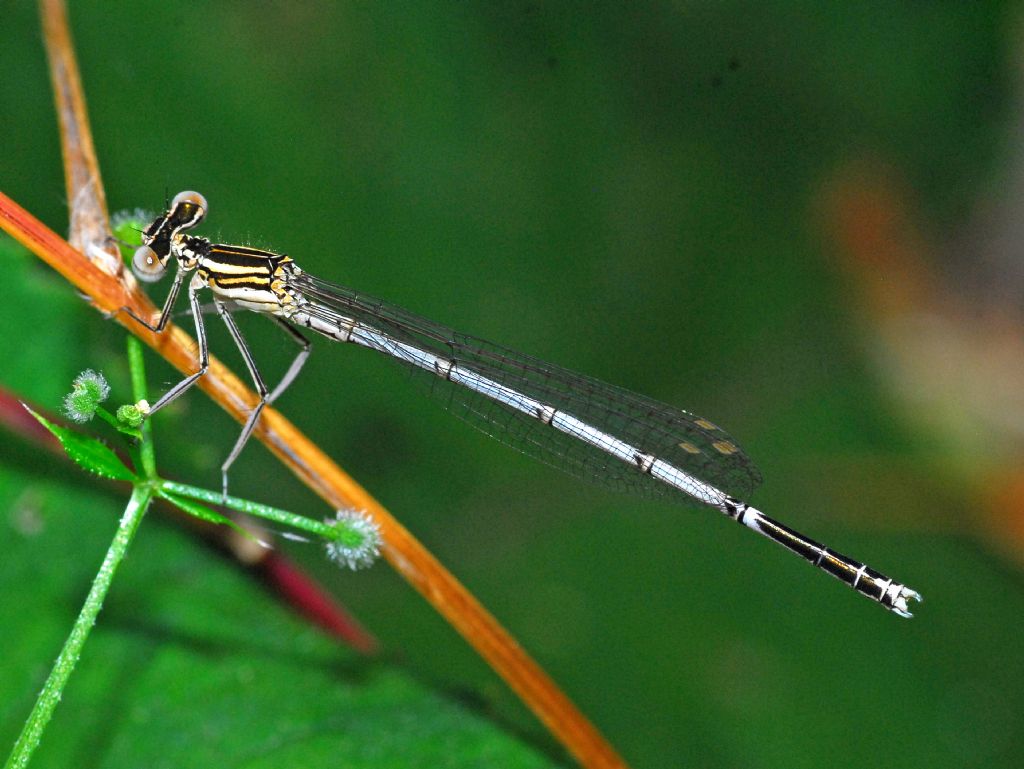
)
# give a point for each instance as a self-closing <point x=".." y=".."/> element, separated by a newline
<point x="247" y="277"/>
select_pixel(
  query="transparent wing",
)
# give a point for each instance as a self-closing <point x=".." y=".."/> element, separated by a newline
<point x="688" y="442"/>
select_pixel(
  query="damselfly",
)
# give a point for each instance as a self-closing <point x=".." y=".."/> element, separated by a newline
<point x="581" y="425"/>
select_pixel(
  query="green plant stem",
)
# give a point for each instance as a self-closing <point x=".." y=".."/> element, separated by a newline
<point x="294" y="520"/>
<point x="48" y="698"/>
<point x="137" y="366"/>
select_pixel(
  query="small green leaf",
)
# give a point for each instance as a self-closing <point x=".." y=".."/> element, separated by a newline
<point x="88" y="452"/>
<point x="204" y="513"/>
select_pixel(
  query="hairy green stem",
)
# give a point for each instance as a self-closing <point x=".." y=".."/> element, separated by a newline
<point x="138" y="372"/>
<point x="142" y="495"/>
<point x="252" y="508"/>
<point x="48" y="698"/>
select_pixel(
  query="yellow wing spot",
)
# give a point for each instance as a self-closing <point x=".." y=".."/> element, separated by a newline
<point x="724" y="447"/>
<point x="706" y="424"/>
<point x="689" y="448"/>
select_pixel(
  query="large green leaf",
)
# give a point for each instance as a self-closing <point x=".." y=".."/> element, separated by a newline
<point x="194" y="665"/>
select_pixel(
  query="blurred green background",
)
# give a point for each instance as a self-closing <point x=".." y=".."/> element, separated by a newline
<point x="635" y="191"/>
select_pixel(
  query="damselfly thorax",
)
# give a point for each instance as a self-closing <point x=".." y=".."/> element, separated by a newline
<point x="578" y="424"/>
<point x="246" y="277"/>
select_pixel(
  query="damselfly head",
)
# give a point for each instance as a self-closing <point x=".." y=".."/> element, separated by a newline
<point x="186" y="211"/>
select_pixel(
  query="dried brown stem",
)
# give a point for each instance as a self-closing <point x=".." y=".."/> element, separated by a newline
<point x="87" y="203"/>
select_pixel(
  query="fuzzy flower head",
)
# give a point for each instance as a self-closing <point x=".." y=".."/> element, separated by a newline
<point x="356" y="539"/>
<point x="131" y="415"/>
<point x="88" y="391"/>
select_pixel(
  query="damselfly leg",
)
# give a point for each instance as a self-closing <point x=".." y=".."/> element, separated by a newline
<point x="204" y="352"/>
<point x="266" y="396"/>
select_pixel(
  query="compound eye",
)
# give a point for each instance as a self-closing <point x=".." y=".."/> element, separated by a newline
<point x="147" y="265"/>
<point x="191" y="206"/>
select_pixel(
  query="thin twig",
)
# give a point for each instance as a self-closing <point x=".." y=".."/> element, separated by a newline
<point x="89" y="231"/>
